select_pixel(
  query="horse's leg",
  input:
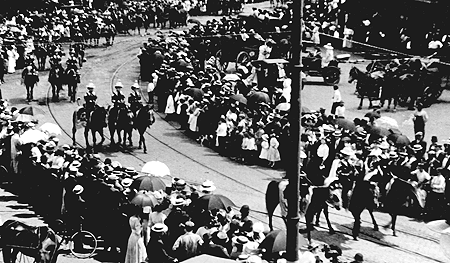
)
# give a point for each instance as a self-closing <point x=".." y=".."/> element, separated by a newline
<point x="130" y="137"/>
<point x="374" y="222"/>
<point x="94" y="139"/>
<point x="102" y="135"/>
<point x="361" y="102"/>
<point x="86" y="136"/>
<point x="7" y="255"/>
<point x="370" y="103"/>
<point x="356" y="225"/>
<point x="330" y="227"/>
<point x="74" y="131"/>
<point x="318" y="217"/>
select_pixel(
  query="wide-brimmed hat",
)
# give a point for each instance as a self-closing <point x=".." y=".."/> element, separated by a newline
<point x="131" y="171"/>
<point x="393" y="154"/>
<point x="240" y="240"/>
<point x="159" y="228"/>
<point x="50" y="147"/>
<point x="328" y="46"/>
<point x="417" y="147"/>
<point x="118" y="84"/>
<point x="90" y="85"/>
<point x="127" y="182"/>
<point x="78" y="189"/>
<point x="178" y="202"/>
<point x="178" y="183"/>
<point x="135" y="85"/>
<point x="207" y="187"/>
<point x="327" y="128"/>
<point x="337" y="133"/>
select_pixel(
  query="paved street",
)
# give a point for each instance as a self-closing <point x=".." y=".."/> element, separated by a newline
<point x="243" y="184"/>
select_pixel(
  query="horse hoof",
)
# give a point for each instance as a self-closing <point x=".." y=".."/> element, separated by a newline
<point x="394" y="234"/>
<point x="355" y="238"/>
<point x="145" y="151"/>
<point x="375" y="228"/>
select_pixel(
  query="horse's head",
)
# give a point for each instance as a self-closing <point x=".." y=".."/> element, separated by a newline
<point x="353" y="74"/>
<point x="335" y="195"/>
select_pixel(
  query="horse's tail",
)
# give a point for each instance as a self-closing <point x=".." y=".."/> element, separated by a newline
<point x="272" y="200"/>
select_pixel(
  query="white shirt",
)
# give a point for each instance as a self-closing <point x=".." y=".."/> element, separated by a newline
<point x="222" y="130"/>
<point x="340" y="111"/>
<point x="264" y="52"/>
<point x="337" y="96"/>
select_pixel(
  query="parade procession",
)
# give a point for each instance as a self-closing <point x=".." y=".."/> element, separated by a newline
<point x="224" y="131"/>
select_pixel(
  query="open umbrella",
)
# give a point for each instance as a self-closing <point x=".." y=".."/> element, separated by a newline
<point x="379" y="131"/>
<point x="346" y="124"/>
<point x="143" y="200"/>
<point x="239" y="98"/>
<point x="275" y="241"/>
<point x="23" y="118"/>
<point x="149" y="183"/>
<point x="195" y="93"/>
<point x="30" y="110"/>
<point x="33" y="136"/>
<point x="214" y="201"/>
<point x="386" y="122"/>
<point x="156" y="168"/>
<point x="373" y="114"/>
<point x="50" y="128"/>
<point x="258" y="96"/>
<point x="204" y="258"/>
<point x="194" y="21"/>
<point x="399" y="139"/>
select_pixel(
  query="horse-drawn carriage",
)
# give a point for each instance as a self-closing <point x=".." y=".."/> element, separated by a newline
<point x="313" y="65"/>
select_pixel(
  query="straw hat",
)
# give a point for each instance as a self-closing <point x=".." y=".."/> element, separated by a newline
<point x="78" y="189"/>
<point x="207" y="187"/>
<point x="159" y="228"/>
<point x="135" y="85"/>
<point x="347" y="151"/>
<point x="178" y="202"/>
<point x="127" y="182"/>
<point x="240" y="240"/>
<point x="417" y="147"/>
<point x="118" y="84"/>
<point x="328" y="46"/>
<point x="90" y="85"/>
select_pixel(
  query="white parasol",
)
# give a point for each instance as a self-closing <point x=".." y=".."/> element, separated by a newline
<point x="156" y="168"/>
<point x="33" y="136"/>
<point x="51" y="128"/>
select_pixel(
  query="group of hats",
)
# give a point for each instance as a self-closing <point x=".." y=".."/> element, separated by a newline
<point x="120" y="85"/>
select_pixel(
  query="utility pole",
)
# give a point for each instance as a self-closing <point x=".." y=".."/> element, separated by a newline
<point x="293" y="169"/>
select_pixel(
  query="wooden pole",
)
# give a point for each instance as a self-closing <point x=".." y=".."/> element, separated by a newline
<point x="293" y="169"/>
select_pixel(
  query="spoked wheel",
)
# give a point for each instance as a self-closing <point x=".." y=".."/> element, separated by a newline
<point x="83" y="244"/>
<point x="242" y="59"/>
<point x="221" y="64"/>
<point x="430" y="95"/>
<point x="22" y="258"/>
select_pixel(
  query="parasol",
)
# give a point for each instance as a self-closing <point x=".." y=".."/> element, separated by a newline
<point x="149" y="183"/>
<point x="373" y="114"/>
<point x="195" y="93"/>
<point x="156" y="168"/>
<point x="379" y="131"/>
<point x="30" y="110"/>
<point x="23" y="118"/>
<point x="50" y="128"/>
<point x="399" y="139"/>
<point x="33" y="136"/>
<point x="231" y="77"/>
<point x="275" y="241"/>
<point x="214" y="201"/>
<point x="386" y="122"/>
<point x="258" y="96"/>
<point x="239" y="98"/>
<point x="143" y="200"/>
<point x="346" y="124"/>
<point x="194" y="21"/>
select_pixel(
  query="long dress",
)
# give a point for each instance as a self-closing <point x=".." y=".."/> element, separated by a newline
<point x="273" y="155"/>
<point x="264" y="150"/>
<point x="193" y="118"/>
<point x="15" y="143"/>
<point x="12" y="58"/>
<point x="170" y="105"/>
<point x="136" y="251"/>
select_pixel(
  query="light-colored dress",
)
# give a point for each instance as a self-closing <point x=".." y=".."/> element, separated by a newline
<point x="273" y="155"/>
<point x="12" y="58"/>
<point x="136" y="252"/>
<point x="193" y="118"/>
<point x="15" y="144"/>
<point x="170" y="106"/>
<point x="264" y="150"/>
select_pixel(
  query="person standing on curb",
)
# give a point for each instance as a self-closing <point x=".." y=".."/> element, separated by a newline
<point x="420" y="118"/>
<point x="337" y="99"/>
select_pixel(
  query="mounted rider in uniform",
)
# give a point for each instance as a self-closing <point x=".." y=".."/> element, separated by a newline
<point x="90" y="98"/>
<point x="135" y="98"/>
<point x="118" y="99"/>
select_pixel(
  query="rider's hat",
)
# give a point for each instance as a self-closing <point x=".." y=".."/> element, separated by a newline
<point x="118" y="85"/>
<point x="135" y="85"/>
<point x="90" y="85"/>
<point x="78" y="189"/>
<point x="328" y="46"/>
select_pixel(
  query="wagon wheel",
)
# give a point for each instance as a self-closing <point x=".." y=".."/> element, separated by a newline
<point x="430" y="94"/>
<point x="4" y="174"/>
<point x="221" y="63"/>
<point x="22" y="258"/>
<point x="331" y="75"/>
<point x="83" y="244"/>
<point x="242" y="58"/>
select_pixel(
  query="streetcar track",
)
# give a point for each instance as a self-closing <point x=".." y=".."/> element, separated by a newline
<point x="366" y="236"/>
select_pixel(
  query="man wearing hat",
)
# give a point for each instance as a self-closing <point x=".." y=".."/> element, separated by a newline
<point x="156" y="247"/>
<point x="30" y="77"/>
<point x="118" y="98"/>
<point x="135" y="98"/>
<point x="89" y="97"/>
<point x="187" y="245"/>
<point x="73" y="74"/>
<point x="346" y="172"/>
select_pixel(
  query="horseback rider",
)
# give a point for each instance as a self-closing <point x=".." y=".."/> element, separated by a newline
<point x="346" y="172"/>
<point x="72" y="72"/>
<point x="118" y="99"/>
<point x="89" y="97"/>
<point x="135" y="98"/>
<point x="30" y="77"/>
<point x="54" y="77"/>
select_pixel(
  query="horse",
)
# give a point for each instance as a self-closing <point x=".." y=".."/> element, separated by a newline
<point x="56" y="79"/>
<point x="72" y="78"/>
<point x="363" y="197"/>
<point x="144" y="118"/>
<point x="79" y="49"/>
<point x="366" y="86"/>
<point x="93" y="121"/>
<point x="40" y="243"/>
<point x="41" y="54"/>
<point x="109" y="32"/>
<point x="120" y="119"/>
<point x="314" y="201"/>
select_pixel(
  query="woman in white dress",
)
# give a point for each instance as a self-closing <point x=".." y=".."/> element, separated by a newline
<point x="12" y="58"/>
<point x="136" y="251"/>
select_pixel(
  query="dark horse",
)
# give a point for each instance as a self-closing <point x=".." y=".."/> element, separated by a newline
<point x="41" y="54"/>
<point x="366" y="86"/>
<point x="363" y="197"/>
<point x="120" y="119"/>
<point x="315" y="199"/>
<point x="39" y="243"/>
<point x="56" y="79"/>
<point x="144" y="119"/>
<point x="72" y="78"/>
<point x="94" y="121"/>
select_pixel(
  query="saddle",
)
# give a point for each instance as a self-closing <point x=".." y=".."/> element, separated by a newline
<point x="18" y="234"/>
